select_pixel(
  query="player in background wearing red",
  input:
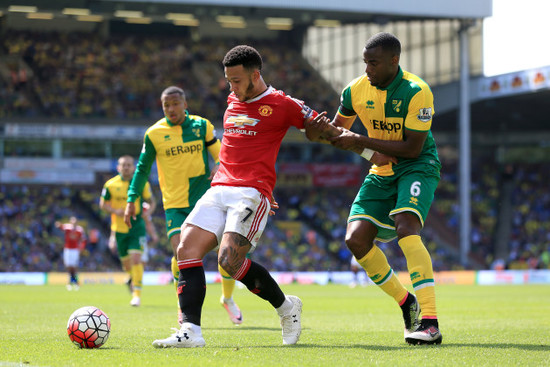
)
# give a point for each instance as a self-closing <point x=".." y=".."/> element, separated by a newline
<point x="75" y="241"/>
<point x="233" y="213"/>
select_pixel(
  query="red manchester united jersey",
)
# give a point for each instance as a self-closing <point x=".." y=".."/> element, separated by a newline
<point x="74" y="235"/>
<point x="253" y="132"/>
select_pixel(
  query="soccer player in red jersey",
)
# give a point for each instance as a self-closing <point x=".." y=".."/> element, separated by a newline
<point x="75" y="240"/>
<point x="233" y="213"/>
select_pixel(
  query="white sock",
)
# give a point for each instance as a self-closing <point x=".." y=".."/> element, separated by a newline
<point x="285" y="308"/>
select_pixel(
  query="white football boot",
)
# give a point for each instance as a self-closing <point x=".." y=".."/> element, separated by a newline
<point x="292" y="322"/>
<point x="188" y="336"/>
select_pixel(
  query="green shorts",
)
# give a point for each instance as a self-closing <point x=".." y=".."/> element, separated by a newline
<point x="133" y="241"/>
<point x="381" y="197"/>
<point x="174" y="219"/>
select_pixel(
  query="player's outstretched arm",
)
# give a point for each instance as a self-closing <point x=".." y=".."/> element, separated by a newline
<point x="320" y="128"/>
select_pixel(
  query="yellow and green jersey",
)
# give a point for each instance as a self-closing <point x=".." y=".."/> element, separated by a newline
<point x="387" y="114"/>
<point x="115" y="191"/>
<point x="181" y="152"/>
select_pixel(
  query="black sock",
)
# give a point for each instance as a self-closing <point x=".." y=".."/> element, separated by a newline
<point x="429" y="322"/>
<point x="408" y="301"/>
<point x="260" y="282"/>
<point x="191" y="292"/>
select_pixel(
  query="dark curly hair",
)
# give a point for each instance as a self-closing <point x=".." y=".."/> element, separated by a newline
<point x="244" y="55"/>
<point x="387" y="41"/>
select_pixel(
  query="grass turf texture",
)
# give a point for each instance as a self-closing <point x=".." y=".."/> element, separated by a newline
<point x="481" y="325"/>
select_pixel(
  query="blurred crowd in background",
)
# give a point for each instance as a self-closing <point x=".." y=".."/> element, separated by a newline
<point x="75" y="75"/>
<point x="78" y="76"/>
<point x="306" y="234"/>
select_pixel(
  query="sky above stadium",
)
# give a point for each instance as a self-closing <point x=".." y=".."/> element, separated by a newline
<point x="516" y="36"/>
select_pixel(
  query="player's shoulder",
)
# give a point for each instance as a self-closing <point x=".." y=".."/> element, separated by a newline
<point x="160" y="124"/>
<point x="415" y="83"/>
<point x="359" y="82"/>
<point x="282" y="97"/>
<point x="198" y="120"/>
<point x="113" y="181"/>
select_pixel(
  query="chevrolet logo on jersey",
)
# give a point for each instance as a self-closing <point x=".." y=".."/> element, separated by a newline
<point x="241" y="120"/>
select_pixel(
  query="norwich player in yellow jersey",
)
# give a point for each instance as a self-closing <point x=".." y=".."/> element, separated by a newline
<point x="130" y="239"/>
<point x="180" y="143"/>
<point x="396" y="108"/>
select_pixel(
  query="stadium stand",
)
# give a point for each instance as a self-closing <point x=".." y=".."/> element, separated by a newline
<point x="82" y="76"/>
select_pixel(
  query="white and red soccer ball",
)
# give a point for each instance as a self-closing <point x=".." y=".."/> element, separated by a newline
<point x="89" y="327"/>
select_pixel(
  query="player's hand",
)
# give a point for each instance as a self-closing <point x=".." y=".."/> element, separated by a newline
<point x="381" y="159"/>
<point x="129" y="213"/>
<point x="274" y="205"/>
<point x="321" y="127"/>
<point x="347" y="140"/>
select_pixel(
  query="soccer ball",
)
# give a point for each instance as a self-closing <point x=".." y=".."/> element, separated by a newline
<point x="88" y="327"/>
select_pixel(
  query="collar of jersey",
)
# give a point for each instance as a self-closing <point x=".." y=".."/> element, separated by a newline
<point x="395" y="82"/>
<point x="184" y="121"/>
<point x="122" y="178"/>
<point x="267" y="91"/>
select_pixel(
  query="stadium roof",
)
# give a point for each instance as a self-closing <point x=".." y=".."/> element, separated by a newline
<point x="299" y="13"/>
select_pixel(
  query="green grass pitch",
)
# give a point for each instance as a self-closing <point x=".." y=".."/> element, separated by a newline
<point x="481" y="326"/>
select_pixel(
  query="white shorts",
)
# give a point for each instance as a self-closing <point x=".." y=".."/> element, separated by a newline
<point x="71" y="257"/>
<point x="243" y="210"/>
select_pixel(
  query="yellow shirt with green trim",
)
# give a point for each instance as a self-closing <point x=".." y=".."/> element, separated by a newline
<point x="115" y="191"/>
<point x="387" y="114"/>
<point x="181" y="152"/>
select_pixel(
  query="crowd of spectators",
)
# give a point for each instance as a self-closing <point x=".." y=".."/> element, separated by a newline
<point x="83" y="75"/>
<point x="529" y="243"/>
<point x="29" y="240"/>
<point x="306" y="234"/>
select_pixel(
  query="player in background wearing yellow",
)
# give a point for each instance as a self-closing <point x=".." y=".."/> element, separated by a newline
<point x="181" y="144"/>
<point x="130" y="240"/>
<point x="152" y="240"/>
<point x="396" y="108"/>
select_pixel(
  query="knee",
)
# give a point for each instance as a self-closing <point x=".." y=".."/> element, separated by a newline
<point x="357" y="245"/>
<point x="230" y="266"/>
<point x="407" y="228"/>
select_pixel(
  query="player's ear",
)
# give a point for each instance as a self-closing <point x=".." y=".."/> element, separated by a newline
<point x="256" y="75"/>
<point x="395" y="60"/>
